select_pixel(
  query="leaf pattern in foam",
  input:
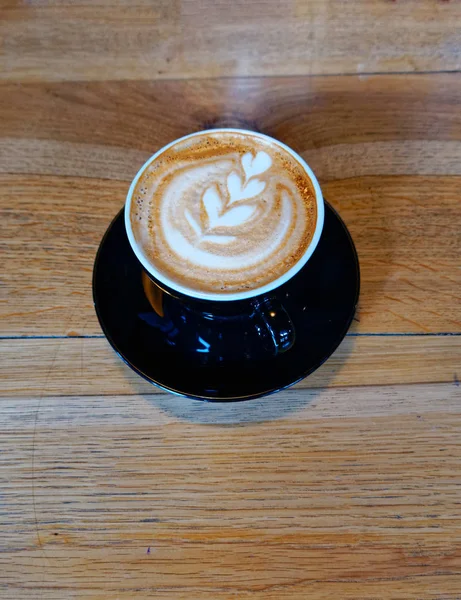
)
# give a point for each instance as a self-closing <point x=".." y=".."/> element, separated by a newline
<point x="236" y="216"/>
<point x="213" y="205"/>
<point x="238" y="191"/>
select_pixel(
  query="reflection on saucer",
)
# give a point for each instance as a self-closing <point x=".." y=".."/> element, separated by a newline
<point x="153" y="293"/>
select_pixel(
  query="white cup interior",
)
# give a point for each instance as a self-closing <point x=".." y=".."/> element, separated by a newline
<point x="150" y="268"/>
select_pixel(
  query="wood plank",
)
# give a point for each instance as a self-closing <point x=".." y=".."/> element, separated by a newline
<point x="49" y="40"/>
<point x="338" y="161"/>
<point x="408" y="245"/>
<point x="158" y="409"/>
<point x="88" y="366"/>
<point x="348" y="493"/>
<point x="310" y="114"/>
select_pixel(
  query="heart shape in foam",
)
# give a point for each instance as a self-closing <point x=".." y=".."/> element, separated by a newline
<point x="236" y="216"/>
<point x="231" y="218"/>
<point x="239" y="191"/>
<point x="255" y="165"/>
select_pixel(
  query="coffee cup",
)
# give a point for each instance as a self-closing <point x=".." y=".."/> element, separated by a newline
<point x="196" y="217"/>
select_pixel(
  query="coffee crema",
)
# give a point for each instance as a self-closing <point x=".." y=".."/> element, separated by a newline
<point x="223" y="212"/>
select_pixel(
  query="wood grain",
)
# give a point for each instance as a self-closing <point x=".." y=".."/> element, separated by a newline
<point x="309" y="114"/>
<point x="118" y="39"/>
<point x="86" y="366"/>
<point x="338" y="493"/>
<point x="345" y="486"/>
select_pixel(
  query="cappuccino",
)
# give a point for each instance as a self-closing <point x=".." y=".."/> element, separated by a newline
<point x="223" y="212"/>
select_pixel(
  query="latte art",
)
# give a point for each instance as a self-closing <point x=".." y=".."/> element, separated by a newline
<point x="223" y="212"/>
<point x="238" y="191"/>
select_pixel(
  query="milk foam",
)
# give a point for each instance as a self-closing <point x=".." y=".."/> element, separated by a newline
<point x="224" y="212"/>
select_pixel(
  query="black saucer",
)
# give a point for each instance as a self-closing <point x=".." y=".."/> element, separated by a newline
<point x="320" y="300"/>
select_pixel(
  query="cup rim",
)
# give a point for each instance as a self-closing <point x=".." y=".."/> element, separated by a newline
<point x="223" y="297"/>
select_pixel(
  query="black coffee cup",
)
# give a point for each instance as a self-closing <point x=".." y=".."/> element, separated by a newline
<point x="215" y="331"/>
<point x="219" y="326"/>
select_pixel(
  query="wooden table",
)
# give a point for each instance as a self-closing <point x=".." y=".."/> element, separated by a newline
<point x="347" y="486"/>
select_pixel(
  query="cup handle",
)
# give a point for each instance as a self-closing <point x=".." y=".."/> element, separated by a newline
<point x="277" y="323"/>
